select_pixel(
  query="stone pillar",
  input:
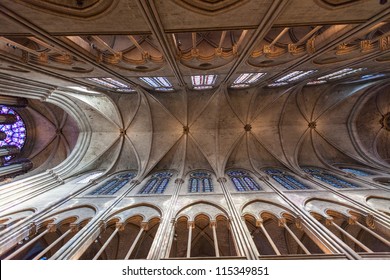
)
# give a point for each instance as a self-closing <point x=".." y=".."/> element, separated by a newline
<point x="241" y="235"/>
<point x="163" y="240"/>
<point x="79" y="243"/>
<point x="8" y="119"/>
<point x="13" y="169"/>
<point x="13" y="101"/>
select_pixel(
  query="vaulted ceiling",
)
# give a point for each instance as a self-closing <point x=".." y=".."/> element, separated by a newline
<point x="331" y="108"/>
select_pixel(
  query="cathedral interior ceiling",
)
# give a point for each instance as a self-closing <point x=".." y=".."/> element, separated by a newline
<point x="108" y="48"/>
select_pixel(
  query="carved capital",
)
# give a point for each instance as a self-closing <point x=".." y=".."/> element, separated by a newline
<point x="213" y="223"/>
<point x="366" y="45"/>
<point x="221" y="180"/>
<point x="281" y="222"/>
<point x="384" y="43"/>
<point x="195" y="52"/>
<point x="292" y="48"/>
<point x="259" y="222"/>
<point x="102" y="226"/>
<point x="190" y="224"/>
<point x="52" y="227"/>
<point x="267" y="49"/>
<point x="33" y="228"/>
<point x="370" y="221"/>
<point x="179" y="181"/>
<point x="43" y="57"/>
<point x="120" y="226"/>
<point x="298" y="222"/>
<point x="352" y="220"/>
<point x="145" y="226"/>
<point x="329" y="221"/>
<point x="310" y="45"/>
<point x="134" y="182"/>
<point x="74" y="228"/>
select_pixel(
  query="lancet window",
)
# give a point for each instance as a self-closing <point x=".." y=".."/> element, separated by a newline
<point x="287" y="181"/>
<point x="200" y="181"/>
<point x="113" y="185"/>
<point x="328" y="178"/>
<point x="243" y="181"/>
<point x="157" y="183"/>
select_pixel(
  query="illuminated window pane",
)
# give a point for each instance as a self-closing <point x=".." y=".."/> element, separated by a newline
<point x="287" y="181"/>
<point x="158" y="83"/>
<point x="200" y="181"/>
<point x="328" y="178"/>
<point x="243" y="181"/>
<point x="247" y="79"/>
<point x="113" y="185"/>
<point x="157" y="183"/>
<point x="203" y="81"/>
<point x="113" y="84"/>
<point x="15" y="133"/>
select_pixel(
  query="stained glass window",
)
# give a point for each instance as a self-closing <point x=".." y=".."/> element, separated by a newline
<point x="15" y="133"/>
<point x="357" y="172"/>
<point x="243" y="181"/>
<point x="157" y="183"/>
<point x="287" y="181"/>
<point x="200" y="182"/>
<point x="113" y="185"/>
<point x="328" y="178"/>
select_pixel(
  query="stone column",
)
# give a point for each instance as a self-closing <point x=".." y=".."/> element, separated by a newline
<point x="162" y="241"/>
<point x="241" y="235"/>
<point x="79" y="243"/>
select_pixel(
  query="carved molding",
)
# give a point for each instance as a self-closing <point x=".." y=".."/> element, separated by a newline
<point x="337" y="4"/>
<point x="71" y="8"/>
<point x="210" y="7"/>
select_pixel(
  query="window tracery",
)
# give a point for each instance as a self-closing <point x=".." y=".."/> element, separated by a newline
<point x="328" y="178"/>
<point x="15" y="133"/>
<point x="157" y="183"/>
<point x="200" y="181"/>
<point x="243" y="181"/>
<point x="112" y="186"/>
<point x="357" y="172"/>
<point x="286" y="180"/>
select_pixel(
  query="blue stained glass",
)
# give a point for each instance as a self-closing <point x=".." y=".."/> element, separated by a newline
<point x="284" y="183"/>
<point x="104" y="187"/>
<point x="243" y="181"/>
<point x="357" y="172"/>
<point x="207" y="186"/>
<point x="296" y="182"/>
<point x="149" y="186"/>
<point x="237" y="183"/>
<point x="194" y="185"/>
<point x="16" y="135"/>
<point x="157" y="183"/>
<point x="251" y="184"/>
<point x="272" y="171"/>
<point x="236" y="173"/>
<point x="116" y="188"/>
<point x="200" y="181"/>
<point x="162" y="185"/>
<point x="330" y="179"/>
